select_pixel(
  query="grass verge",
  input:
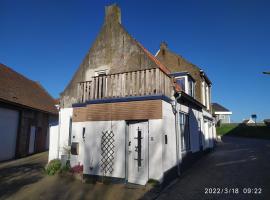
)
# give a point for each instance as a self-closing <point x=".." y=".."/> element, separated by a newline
<point x="260" y="131"/>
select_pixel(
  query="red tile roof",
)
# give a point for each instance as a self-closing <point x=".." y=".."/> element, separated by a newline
<point x="160" y="65"/>
<point x="15" y="88"/>
<point x="153" y="58"/>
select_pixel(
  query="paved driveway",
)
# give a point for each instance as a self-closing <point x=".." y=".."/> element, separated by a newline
<point x="22" y="172"/>
<point x="237" y="163"/>
<point x="25" y="179"/>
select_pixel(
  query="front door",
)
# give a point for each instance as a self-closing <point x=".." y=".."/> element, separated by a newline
<point x="138" y="153"/>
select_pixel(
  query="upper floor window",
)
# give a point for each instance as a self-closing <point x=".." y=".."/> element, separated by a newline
<point x="100" y="73"/>
<point x="191" y="87"/>
<point x="181" y="82"/>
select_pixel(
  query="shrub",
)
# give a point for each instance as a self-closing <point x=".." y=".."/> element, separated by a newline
<point x="53" y="167"/>
<point x="65" y="168"/>
<point x="153" y="182"/>
<point x="267" y="122"/>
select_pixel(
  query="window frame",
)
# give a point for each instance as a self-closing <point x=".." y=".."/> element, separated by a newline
<point x="184" y="131"/>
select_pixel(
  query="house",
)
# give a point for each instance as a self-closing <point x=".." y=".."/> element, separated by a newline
<point x="221" y="113"/>
<point x="248" y="121"/>
<point x="199" y="84"/>
<point x="124" y="114"/>
<point x="25" y="112"/>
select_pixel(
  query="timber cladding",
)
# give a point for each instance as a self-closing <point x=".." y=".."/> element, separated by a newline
<point x="133" y="110"/>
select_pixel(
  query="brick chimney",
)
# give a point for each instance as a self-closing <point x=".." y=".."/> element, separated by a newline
<point x="112" y="14"/>
<point x="163" y="46"/>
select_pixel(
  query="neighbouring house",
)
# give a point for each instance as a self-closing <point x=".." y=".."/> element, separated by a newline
<point x="25" y="112"/>
<point x="196" y="84"/>
<point x="127" y="115"/>
<point x="222" y="114"/>
<point x="248" y="121"/>
<point x="266" y="122"/>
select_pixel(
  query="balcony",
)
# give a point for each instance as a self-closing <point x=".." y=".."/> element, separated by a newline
<point x="137" y="83"/>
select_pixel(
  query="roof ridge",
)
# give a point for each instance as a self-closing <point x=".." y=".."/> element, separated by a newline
<point x="153" y="58"/>
<point x="14" y="71"/>
<point x="43" y="88"/>
<point x="186" y="60"/>
<point x="28" y="92"/>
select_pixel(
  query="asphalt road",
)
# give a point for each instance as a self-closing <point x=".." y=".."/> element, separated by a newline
<point x="239" y="168"/>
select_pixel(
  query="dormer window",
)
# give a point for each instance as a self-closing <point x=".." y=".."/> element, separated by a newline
<point x="191" y="87"/>
<point x="181" y="81"/>
<point x="186" y="82"/>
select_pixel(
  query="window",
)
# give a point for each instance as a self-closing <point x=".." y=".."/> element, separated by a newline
<point x="191" y="87"/>
<point x="74" y="148"/>
<point x="181" y="82"/>
<point x="184" y="131"/>
<point x="101" y="84"/>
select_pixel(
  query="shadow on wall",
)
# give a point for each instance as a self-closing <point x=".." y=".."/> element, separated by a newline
<point x="260" y="131"/>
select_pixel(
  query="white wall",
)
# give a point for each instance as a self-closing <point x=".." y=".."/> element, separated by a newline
<point x="209" y="130"/>
<point x="162" y="157"/>
<point x="155" y="149"/>
<point x="169" y="150"/>
<point x="9" y="120"/>
<point x="92" y="146"/>
<point x="64" y="121"/>
<point x="194" y="129"/>
<point x="53" y="141"/>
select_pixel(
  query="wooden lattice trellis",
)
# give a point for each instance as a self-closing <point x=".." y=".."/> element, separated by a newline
<point x="107" y="152"/>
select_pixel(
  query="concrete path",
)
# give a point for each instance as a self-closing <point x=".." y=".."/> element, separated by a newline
<point x="237" y="167"/>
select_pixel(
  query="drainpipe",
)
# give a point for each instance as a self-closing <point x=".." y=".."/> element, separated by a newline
<point x="177" y="133"/>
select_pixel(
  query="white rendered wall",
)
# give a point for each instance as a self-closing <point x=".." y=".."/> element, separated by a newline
<point x="155" y="149"/>
<point x="169" y="150"/>
<point x="92" y="146"/>
<point x="194" y="116"/>
<point x="194" y="130"/>
<point x="64" y="121"/>
<point x="53" y="142"/>
<point x="77" y="136"/>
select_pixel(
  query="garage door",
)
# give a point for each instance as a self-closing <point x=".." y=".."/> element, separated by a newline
<point x="8" y="133"/>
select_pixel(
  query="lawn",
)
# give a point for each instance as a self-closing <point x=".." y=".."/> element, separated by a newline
<point x="260" y="131"/>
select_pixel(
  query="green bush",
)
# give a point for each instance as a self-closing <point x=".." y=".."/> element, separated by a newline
<point x="53" y="167"/>
<point x="153" y="182"/>
<point x="66" y="167"/>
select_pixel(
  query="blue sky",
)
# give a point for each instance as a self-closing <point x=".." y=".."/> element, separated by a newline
<point x="46" y="41"/>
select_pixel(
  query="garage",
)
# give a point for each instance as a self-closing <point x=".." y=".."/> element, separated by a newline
<point x="9" y="120"/>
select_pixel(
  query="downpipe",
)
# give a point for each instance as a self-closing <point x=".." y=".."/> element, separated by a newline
<point x="177" y="132"/>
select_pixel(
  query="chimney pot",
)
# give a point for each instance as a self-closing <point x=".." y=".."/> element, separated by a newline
<point x="163" y="45"/>
<point x="112" y="13"/>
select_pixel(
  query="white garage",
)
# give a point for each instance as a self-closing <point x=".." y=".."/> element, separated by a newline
<point x="9" y="120"/>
